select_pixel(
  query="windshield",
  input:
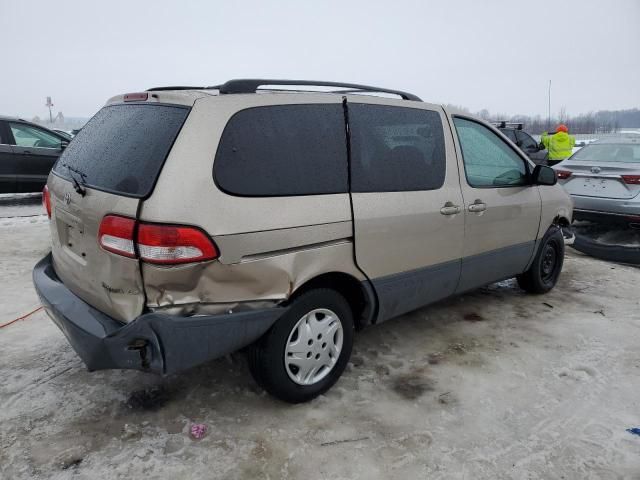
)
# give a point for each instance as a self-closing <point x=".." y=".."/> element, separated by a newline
<point x="609" y="152"/>
<point x="122" y="148"/>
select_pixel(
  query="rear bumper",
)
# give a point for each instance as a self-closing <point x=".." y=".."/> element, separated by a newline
<point x="606" y="217"/>
<point x="619" y="206"/>
<point x="153" y="342"/>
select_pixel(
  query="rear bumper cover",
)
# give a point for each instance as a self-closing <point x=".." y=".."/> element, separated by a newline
<point x="153" y="342"/>
<point x="606" y="217"/>
<point x="612" y="206"/>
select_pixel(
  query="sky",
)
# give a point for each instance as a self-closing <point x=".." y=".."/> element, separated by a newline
<point x="493" y="54"/>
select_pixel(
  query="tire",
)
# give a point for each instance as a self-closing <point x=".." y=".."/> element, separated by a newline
<point x="296" y="339"/>
<point x="545" y="269"/>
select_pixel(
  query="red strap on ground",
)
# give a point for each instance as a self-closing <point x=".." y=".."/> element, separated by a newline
<point x="20" y="318"/>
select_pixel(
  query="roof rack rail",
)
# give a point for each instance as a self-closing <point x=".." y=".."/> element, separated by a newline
<point x="176" y="87"/>
<point x="251" y="85"/>
<point x="503" y="124"/>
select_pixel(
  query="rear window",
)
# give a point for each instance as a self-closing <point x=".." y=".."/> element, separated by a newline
<point x="283" y="150"/>
<point x="609" y="152"/>
<point x="123" y="147"/>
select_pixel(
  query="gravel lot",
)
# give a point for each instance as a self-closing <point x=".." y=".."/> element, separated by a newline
<point x="493" y="384"/>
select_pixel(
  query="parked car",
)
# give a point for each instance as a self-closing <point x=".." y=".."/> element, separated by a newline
<point x="64" y="133"/>
<point x="603" y="179"/>
<point x="27" y="153"/>
<point x="534" y="150"/>
<point x="188" y="223"/>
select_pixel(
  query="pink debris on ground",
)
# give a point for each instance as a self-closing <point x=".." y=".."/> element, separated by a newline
<point x="198" y="430"/>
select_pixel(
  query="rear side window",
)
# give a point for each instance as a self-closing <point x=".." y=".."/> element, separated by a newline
<point x="283" y="150"/>
<point x="526" y="142"/>
<point x="511" y="134"/>
<point x="123" y="147"/>
<point x="488" y="160"/>
<point x="395" y="149"/>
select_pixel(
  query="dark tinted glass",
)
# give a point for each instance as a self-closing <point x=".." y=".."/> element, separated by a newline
<point x="511" y="134"/>
<point x="396" y="149"/>
<point x="488" y="160"/>
<point x="123" y="147"/>
<point x="526" y="142"/>
<point x="283" y="150"/>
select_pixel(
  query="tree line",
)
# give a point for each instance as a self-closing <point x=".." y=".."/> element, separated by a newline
<point x="602" y="121"/>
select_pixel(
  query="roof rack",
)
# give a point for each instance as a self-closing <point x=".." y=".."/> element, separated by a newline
<point x="251" y="85"/>
<point x="503" y="124"/>
<point x="176" y="87"/>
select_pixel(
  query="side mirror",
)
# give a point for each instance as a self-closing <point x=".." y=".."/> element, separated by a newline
<point x="541" y="147"/>
<point x="63" y="145"/>
<point x="543" y="175"/>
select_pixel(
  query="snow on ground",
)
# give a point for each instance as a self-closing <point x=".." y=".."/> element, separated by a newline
<point x="20" y="205"/>
<point x="494" y="384"/>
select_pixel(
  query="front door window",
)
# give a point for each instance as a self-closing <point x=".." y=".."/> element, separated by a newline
<point x="488" y="160"/>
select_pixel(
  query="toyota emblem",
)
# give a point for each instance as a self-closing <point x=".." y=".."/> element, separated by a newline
<point x="67" y="198"/>
<point x="595" y="169"/>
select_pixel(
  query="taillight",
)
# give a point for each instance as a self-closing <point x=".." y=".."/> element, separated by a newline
<point x="631" y="179"/>
<point x="116" y="235"/>
<point x="171" y="244"/>
<point x="46" y="201"/>
<point x="156" y="243"/>
<point x="136" y="97"/>
<point x="563" y="174"/>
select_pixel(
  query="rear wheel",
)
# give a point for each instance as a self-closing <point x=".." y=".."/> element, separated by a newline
<point x="307" y="349"/>
<point x="545" y="269"/>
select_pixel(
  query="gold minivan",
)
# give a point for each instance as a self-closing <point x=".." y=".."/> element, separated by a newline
<point x="191" y="222"/>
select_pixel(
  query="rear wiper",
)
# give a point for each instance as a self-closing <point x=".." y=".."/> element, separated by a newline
<point x="78" y="185"/>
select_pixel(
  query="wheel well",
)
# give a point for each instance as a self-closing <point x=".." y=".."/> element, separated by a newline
<point x="561" y="221"/>
<point x="355" y="293"/>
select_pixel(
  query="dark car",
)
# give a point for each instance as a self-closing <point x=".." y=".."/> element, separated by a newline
<point x="534" y="150"/>
<point x="27" y="154"/>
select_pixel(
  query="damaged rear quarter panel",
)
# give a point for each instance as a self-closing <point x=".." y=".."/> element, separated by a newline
<point x="213" y="287"/>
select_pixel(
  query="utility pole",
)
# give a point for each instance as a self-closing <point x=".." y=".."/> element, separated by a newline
<point x="49" y="105"/>
<point x="549" y="117"/>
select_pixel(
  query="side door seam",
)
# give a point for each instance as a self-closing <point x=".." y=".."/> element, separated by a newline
<point x="373" y="313"/>
<point x="458" y="158"/>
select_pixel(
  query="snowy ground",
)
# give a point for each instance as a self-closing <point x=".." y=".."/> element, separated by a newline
<point x="494" y="384"/>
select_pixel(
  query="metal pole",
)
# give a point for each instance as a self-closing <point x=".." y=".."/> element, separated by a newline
<point x="549" y="118"/>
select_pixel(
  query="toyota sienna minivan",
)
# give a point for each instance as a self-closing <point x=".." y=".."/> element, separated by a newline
<point x="191" y="222"/>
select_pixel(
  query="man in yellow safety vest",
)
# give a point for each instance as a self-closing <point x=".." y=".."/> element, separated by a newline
<point x="559" y="145"/>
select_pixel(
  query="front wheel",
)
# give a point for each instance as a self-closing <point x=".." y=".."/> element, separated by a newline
<point x="307" y="349"/>
<point x="545" y="269"/>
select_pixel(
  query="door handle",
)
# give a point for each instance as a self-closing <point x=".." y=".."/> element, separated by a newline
<point x="26" y="152"/>
<point x="477" y="206"/>
<point x="450" y="209"/>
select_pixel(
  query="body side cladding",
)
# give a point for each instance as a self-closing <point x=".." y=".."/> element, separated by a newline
<point x="406" y="291"/>
<point x="495" y="265"/>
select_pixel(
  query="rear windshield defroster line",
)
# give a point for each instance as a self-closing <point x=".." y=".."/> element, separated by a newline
<point x="123" y="147"/>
